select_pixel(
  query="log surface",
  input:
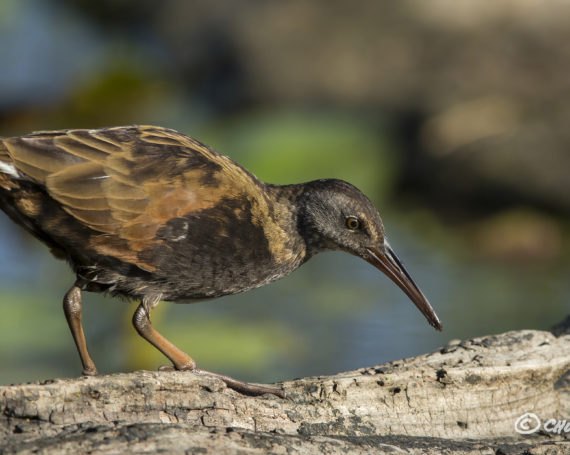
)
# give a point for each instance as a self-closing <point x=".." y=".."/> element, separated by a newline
<point x="461" y="399"/>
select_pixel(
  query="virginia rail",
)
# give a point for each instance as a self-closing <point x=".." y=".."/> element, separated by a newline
<point x="151" y="214"/>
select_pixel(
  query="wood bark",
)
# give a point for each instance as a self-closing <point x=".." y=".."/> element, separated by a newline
<point x="461" y="399"/>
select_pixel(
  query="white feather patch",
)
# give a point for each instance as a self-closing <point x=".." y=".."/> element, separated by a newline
<point x="9" y="169"/>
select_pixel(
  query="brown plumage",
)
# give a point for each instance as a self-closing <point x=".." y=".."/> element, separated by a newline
<point x="151" y="214"/>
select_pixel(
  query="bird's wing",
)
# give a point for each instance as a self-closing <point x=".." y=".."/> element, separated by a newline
<point x="127" y="182"/>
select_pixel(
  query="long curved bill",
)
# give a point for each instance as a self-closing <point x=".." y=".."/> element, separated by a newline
<point x="386" y="260"/>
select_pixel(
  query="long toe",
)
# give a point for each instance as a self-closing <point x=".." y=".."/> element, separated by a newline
<point x="244" y="387"/>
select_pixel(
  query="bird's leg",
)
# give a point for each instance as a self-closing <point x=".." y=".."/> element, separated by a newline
<point x="72" y="310"/>
<point x="141" y="321"/>
<point x="181" y="360"/>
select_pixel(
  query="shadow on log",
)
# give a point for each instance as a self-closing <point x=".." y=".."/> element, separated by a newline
<point x="462" y="399"/>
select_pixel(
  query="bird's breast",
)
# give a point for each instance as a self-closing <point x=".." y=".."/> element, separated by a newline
<point x="240" y="243"/>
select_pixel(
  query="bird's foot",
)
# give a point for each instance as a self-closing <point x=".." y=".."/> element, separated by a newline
<point x="243" y="387"/>
<point x="232" y="383"/>
<point x="89" y="372"/>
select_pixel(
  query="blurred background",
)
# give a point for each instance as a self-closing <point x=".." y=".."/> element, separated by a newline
<point x="452" y="116"/>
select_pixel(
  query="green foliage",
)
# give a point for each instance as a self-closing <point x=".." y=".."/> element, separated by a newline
<point x="293" y="147"/>
<point x="20" y="318"/>
<point x="219" y="343"/>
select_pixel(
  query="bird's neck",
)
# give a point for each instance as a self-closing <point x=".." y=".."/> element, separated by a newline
<point x="292" y="209"/>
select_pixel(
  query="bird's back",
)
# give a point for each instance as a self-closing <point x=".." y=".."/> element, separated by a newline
<point x="144" y="209"/>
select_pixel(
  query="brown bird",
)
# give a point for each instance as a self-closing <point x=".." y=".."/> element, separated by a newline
<point x="151" y="214"/>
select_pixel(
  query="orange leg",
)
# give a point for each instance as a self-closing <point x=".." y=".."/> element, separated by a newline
<point x="72" y="310"/>
<point x="181" y="360"/>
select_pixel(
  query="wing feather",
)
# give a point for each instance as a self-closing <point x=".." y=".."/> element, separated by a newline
<point x="39" y="158"/>
<point x="125" y="183"/>
<point x="83" y="180"/>
<point x="99" y="220"/>
<point x="84" y="203"/>
<point x="96" y="140"/>
<point x="73" y="145"/>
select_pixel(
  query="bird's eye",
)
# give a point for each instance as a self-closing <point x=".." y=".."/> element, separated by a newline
<point x="352" y="223"/>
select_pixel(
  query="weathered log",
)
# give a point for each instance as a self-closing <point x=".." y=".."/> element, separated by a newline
<point x="462" y="399"/>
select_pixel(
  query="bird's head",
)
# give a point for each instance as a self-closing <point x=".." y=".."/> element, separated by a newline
<point x="335" y="215"/>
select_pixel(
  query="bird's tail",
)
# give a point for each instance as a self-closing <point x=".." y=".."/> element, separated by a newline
<point x="7" y="169"/>
<point x="3" y="149"/>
